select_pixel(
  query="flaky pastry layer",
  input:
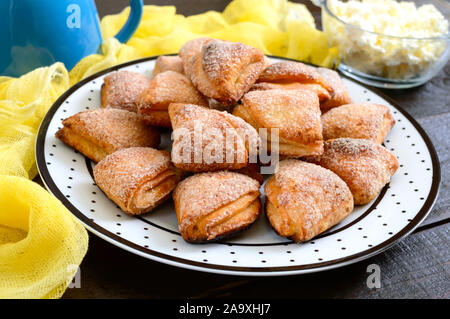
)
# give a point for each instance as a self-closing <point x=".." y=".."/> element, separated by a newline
<point x="295" y="114"/>
<point x="210" y="140"/>
<point x="321" y="92"/>
<point x="304" y="200"/>
<point x="339" y="96"/>
<point x="225" y="70"/>
<point x="188" y="51"/>
<point x="230" y="205"/>
<point x="364" y="165"/>
<point x="137" y="179"/>
<point x="167" y="87"/>
<point x="97" y="133"/>
<point x="362" y="121"/>
<point x="285" y="72"/>
<point x="168" y="63"/>
<point x="121" y="89"/>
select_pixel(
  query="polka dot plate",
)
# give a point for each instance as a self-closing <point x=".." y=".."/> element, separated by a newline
<point x="370" y="229"/>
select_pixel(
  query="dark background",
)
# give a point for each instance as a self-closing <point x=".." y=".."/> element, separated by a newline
<point x="417" y="267"/>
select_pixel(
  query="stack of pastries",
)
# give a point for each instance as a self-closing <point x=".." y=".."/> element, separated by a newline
<point x="332" y="157"/>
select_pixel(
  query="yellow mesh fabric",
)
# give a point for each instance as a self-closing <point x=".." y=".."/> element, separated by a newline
<point x="41" y="243"/>
<point x="23" y="103"/>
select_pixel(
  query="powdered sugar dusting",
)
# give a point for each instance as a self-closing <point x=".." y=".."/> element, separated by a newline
<point x="363" y="120"/>
<point x="119" y="174"/>
<point x="288" y="71"/>
<point x="308" y="179"/>
<point x="201" y="194"/>
<point x="363" y="164"/>
<point x="113" y="129"/>
<point x="295" y="113"/>
<point x="223" y="61"/>
<point x="169" y="87"/>
<point x="211" y="129"/>
<point x="189" y="50"/>
<point x="226" y="70"/>
<point x="168" y="63"/>
<point x="246" y="132"/>
<point x="313" y="197"/>
<point x="122" y="88"/>
<point x="339" y="96"/>
<point x="352" y="147"/>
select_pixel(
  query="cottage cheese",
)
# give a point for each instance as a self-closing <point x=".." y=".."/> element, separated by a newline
<point x="381" y="55"/>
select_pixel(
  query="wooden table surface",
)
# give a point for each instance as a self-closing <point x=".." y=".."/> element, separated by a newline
<point x="417" y="267"/>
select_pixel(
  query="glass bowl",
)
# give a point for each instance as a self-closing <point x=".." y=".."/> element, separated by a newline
<point x="384" y="60"/>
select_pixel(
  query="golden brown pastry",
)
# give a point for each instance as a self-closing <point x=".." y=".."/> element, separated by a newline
<point x="226" y="70"/>
<point x="322" y="94"/>
<point x="295" y="113"/>
<point x="168" y="63"/>
<point x="216" y="205"/>
<point x="137" y="179"/>
<point x="97" y="133"/>
<point x="209" y="140"/>
<point x="121" y="89"/>
<point x="294" y="75"/>
<point x="340" y="95"/>
<point x="363" y="164"/>
<point x="165" y="88"/>
<point x="304" y="200"/>
<point x="362" y="120"/>
<point x="188" y="51"/>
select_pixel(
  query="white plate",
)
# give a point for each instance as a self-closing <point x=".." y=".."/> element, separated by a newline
<point x="369" y="229"/>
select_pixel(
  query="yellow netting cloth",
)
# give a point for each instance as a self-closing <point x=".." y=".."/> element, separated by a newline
<point x="41" y="243"/>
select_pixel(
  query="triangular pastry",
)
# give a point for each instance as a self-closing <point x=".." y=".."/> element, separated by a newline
<point x="188" y="51"/>
<point x="364" y="165"/>
<point x="304" y="200"/>
<point x="121" y="90"/>
<point x="97" y="133"/>
<point x="210" y="140"/>
<point x="363" y="120"/>
<point x="212" y="206"/>
<point x="226" y="70"/>
<point x="295" y="113"/>
<point x="165" y="88"/>
<point x="137" y="179"/>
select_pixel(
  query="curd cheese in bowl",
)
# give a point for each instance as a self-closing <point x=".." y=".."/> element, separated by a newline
<point x="388" y="43"/>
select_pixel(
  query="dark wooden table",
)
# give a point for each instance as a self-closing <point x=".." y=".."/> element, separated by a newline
<point x="417" y="267"/>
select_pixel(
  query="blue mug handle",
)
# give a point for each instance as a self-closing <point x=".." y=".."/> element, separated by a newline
<point x="133" y="21"/>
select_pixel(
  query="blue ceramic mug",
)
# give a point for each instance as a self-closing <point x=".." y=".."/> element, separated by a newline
<point x="36" y="33"/>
